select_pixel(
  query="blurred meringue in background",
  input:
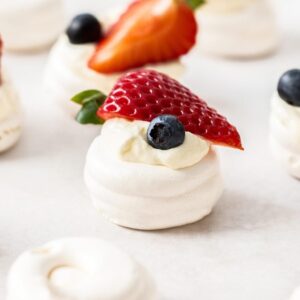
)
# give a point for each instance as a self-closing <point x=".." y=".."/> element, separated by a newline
<point x="68" y="68"/>
<point x="10" y="120"/>
<point x="237" y="28"/>
<point x="78" y="268"/>
<point x="30" y="25"/>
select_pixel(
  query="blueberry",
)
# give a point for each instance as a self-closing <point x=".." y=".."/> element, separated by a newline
<point x="83" y="29"/>
<point x="165" y="132"/>
<point x="289" y="87"/>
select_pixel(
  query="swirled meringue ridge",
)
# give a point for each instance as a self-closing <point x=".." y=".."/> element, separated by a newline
<point x="78" y="269"/>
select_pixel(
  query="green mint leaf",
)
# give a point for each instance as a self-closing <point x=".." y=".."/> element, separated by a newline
<point x="88" y="113"/>
<point x="89" y="95"/>
<point x="194" y="4"/>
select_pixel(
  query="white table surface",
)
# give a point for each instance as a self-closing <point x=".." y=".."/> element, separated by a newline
<point x="249" y="248"/>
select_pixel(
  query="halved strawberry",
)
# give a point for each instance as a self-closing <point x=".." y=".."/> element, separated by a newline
<point x="150" y="31"/>
<point x="146" y="94"/>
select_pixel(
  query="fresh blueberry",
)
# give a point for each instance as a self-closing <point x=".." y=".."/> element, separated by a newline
<point x="289" y="87"/>
<point x="83" y="29"/>
<point x="165" y="132"/>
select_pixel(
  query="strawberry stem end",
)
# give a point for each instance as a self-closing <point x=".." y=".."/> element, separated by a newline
<point x="90" y="101"/>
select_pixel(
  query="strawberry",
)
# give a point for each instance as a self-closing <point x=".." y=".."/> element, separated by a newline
<point x="146" y="94"/>
<point x="150" y="31"/>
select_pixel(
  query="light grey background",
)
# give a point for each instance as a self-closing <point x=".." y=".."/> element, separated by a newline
<point x="249" y="248"/>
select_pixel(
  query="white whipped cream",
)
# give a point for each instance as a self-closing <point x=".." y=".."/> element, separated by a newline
<point x="78" y="269"/>
<point x="30" y="24"/>
<point x="146" y="195"/>
<point x="128" y="141"/>
<point x="285" y="134"/>
<point x="296" y="294"/>
<point x="10" y="120"/>
<point x="237" y="28"/>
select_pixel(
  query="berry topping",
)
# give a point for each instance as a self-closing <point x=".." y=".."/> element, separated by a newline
<point x="289" y="87"/>
<point x="165" y="132"/>
<point x="146" y="94"/>
<point x="83" y="29"/>
<point x="150" y="31"/>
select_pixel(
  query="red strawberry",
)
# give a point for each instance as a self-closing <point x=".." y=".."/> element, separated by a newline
<point x="150" y="31"/>
<point x="146" y="94"/>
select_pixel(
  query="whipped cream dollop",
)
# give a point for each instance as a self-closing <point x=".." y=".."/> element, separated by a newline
<point x="285" y="134"/>
<point x="30" y="24"/>
<point x="135" y="186"/>
<point x="127" y="140"/>
<point x="243" y="28"/>
<point x="10" y="115"/>
<point x="78" y="269"/>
